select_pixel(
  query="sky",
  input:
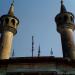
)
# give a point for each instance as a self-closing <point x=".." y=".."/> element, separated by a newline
<point x="37" y="18"/>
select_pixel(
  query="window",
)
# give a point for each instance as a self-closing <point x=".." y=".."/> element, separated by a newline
<point x="60" y="19"/>
<point x="7" y="20"/>
<point x="65" y="18"/>
<point x="13" y="21"/>
<point x="72" y="19"/>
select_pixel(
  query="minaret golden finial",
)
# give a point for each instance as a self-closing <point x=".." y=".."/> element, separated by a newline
<point x="12" y="2"/>
<point x="11" y="10"/>
<point x="63" y="8"/>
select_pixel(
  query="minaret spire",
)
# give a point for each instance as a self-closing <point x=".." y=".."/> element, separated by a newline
<point x="39" y="51"/>
<point x="63" y="9"/>
<point x="32" y="45"/>
<point x="13" y="53"/>
<point x="51" y="52"/>
<point x="11" y="10"/>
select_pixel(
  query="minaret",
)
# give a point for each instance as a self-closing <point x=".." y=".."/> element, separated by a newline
<point x="9" y="24"/>
<point x="32" y="46"/>
<point x="65" y="26"/>
<point x="39" y="51"/>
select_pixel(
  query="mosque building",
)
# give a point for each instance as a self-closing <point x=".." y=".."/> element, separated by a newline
<point x="41" y="65"/>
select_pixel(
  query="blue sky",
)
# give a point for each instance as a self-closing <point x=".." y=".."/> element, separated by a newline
<point x="37" y="18"/>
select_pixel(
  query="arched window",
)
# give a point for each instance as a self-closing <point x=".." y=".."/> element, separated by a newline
<point x="7" y="20"/>
<point x="13" y="21"/>
<point x="72" y="19"/>
<point x="65" y="18"/>
<point x="1" y="21"/>
<point x="60" y="19"/>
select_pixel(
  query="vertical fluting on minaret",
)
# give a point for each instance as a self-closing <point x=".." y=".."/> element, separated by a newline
<point x="65" y="26"/>
<point x="9" y="24"/>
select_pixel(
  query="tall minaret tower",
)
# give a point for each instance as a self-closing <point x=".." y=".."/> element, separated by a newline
<point x="8" y="28"/>
<point x="65" y="26"/>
